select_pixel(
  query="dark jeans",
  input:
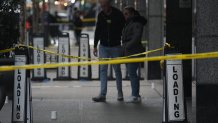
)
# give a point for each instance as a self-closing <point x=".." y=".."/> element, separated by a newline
<point x="110" y="52"/>
<point x="134" y="78"/>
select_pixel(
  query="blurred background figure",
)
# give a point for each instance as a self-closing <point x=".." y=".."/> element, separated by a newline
<point x="46" y="20"/>
<point x="77" y="22"/>
<point x="54" y="27"/>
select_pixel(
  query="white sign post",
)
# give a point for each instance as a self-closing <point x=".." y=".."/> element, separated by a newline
<point x="84" y="71"/>
<point x="19" y="105"/>
<point x="38" y="74"/>
<point x="174" y="103"/>
<point x="63" y="73"/>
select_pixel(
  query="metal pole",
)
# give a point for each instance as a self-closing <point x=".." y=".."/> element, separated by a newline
<point x="179" y="34"/>
<point x="35" y="17"/>
<point x="155" y="35"/>
<point x="22" y="21"/>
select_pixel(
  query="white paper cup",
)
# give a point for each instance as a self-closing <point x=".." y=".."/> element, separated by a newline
<point x="53" y="115"/>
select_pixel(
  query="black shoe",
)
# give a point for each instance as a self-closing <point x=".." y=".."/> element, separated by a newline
<point x="120" y="99"/>
<point x="120" y="96"/>
<point x="99" y="99"/>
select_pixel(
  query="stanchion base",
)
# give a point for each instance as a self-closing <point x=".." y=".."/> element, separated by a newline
<point x="64" y="79"/>
<point x="40" y="79"/>
<point x="86" y="79"/>
<point x="92" y="79"/>
<point x="177" y="122"/>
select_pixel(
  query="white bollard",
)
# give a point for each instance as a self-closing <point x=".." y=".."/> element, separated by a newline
<point x="53" y="115"/>
<point x="6" y="100"/>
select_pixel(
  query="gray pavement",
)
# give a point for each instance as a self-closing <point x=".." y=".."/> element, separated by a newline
<point x="72" y="101"/>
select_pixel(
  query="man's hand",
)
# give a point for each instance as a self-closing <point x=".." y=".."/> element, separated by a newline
<point x="95" y="52"/>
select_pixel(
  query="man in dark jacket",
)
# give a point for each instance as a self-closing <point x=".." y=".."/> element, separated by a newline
<point x="78" y="26"/>
<point x="108" y="31"/>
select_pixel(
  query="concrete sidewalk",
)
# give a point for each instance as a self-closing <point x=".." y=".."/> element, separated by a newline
<point x="72" y="101"/>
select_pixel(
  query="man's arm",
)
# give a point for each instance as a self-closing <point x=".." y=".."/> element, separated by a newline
<point x="97" y="32"/>
<point x="122" y="19"/>
<point x="97" y="36"/>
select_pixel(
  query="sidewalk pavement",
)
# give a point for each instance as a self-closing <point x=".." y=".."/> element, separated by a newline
<point x="73" y="103"/>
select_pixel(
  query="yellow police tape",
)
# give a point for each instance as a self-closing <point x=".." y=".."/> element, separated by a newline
<point x="167" y="45"/>
<point x="88" y="20"/>
<point x="116" y="61"/>
<point x="7" y="50"/>
<point x="83" y="20"/>
<point x="85" y="27"/>
<point x="84" y="58"/>
<point x="46" y="51"/>
<point x="58" y="54"/>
